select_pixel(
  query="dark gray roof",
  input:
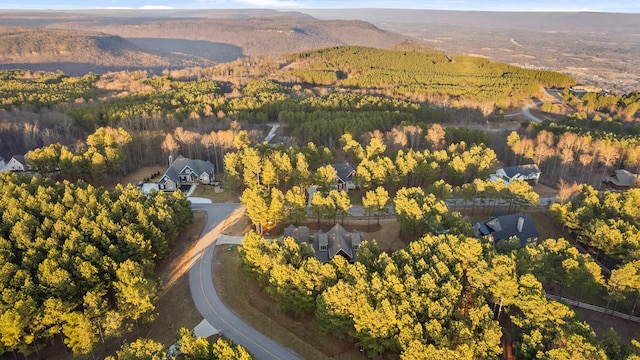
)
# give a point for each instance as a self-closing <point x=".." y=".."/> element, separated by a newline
<point x="356" y="238"/>
<point x="301" y="234"/>
<point x="180" y="163"/>
<point x="320" y="239"/>
<point x="344" y="170"/>
<point x="506" y="226"/>
<point x="21" y="159"/>
<point x="524" y="170"/>
<point x="339" y="241"/>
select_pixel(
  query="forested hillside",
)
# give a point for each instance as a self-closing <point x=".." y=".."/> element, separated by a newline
<point x="80" y="52"/>
<point x="365" y="97"/>
<point x="426" y="76"/>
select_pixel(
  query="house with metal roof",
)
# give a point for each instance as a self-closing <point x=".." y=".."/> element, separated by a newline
<point x="622" y="179"/>
<point x="327" y="245"/>
<point x="184" y="171"/>
<point x="505" y="227"/>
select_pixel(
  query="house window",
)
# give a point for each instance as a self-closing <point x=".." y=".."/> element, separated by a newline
<point x="323" y="247"/>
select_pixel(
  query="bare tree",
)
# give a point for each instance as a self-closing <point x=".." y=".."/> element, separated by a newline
<point x="170" y="145"/>
<point x="566" y="191"/>
<point x="414" y="134"/>
<point x="435" y="136"/>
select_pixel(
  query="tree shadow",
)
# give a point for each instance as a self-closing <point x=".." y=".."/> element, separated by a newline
<point x="213" y="51"/>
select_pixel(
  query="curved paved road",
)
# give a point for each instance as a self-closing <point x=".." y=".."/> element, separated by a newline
<point x="209" y="303"/>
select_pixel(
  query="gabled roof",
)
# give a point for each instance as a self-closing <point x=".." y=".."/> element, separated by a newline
<point x="21" y="159"/>
<point x="180" y="163"/>
<point x="523" y="170"/>
<point x="338" y="241"/>
<point x="198" y="166"/>
<point x="299" y="233"/>
<point x="506" y="226"/>
<point x="170" y="174"/>
<point x="344" y="170"/>
<point x="623" y="178"/>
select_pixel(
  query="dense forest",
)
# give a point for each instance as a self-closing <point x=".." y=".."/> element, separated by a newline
<point x="44" y="108"/>
<point x="426" y="76"/>
<point x="78" y="260"/>
<point x="443" y="296"/>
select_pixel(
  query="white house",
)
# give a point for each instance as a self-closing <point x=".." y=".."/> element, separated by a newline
<point x="524" y="172"/>
<point x="183" y="171"/>
<point x="17" y="163"/>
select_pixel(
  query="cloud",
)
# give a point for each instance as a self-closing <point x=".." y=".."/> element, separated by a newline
<point x="156" y="7"/>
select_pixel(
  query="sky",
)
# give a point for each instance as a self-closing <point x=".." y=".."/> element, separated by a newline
<point x="627" y="6"/>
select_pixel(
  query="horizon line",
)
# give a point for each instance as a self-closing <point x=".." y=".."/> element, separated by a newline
<point x="170" y="8"/>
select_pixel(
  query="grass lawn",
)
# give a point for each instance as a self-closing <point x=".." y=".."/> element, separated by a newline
<point x="548" y="228"/>
<point x="207" y="191"/>
<point x="144" y="173"/>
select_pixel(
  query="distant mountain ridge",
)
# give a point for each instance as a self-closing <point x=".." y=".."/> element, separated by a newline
<point x="255" y="35"/>
<point x="79" y="40"/>
<point x="78" y="52"/>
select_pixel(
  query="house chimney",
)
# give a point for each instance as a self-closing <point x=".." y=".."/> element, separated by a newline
<point x="520" y="224"/>
<point x="170" y="160"/>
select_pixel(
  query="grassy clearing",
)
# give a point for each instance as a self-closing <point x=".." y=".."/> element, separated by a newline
<point x="207" y="191"/>
<point x="144" y="173"/>
<point x="547" y="226"/>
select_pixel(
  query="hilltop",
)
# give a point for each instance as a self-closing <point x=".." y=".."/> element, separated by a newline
<point x="78" y="52"/>
<point x="600" y="49"/>
<point x="99" y="41"/>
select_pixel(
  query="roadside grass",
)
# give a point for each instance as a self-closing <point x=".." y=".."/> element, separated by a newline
<point x="175" y="306"/>
<point x="301" y="335"/>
